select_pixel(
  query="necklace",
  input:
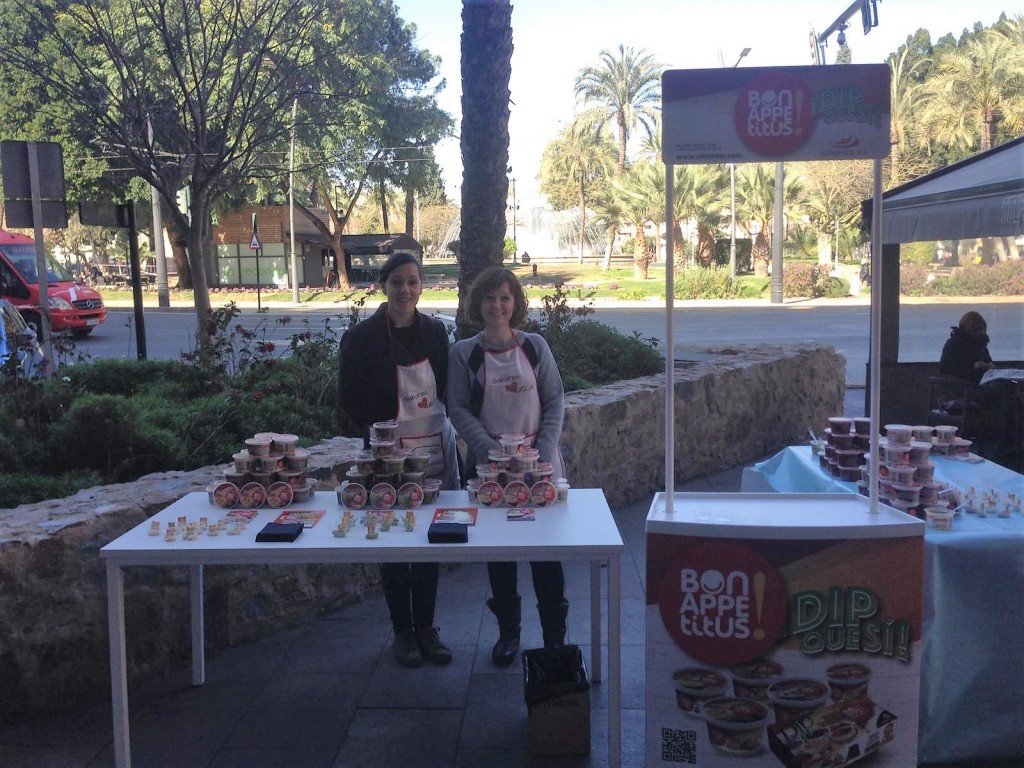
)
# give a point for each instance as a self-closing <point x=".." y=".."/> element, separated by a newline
<point x="500" y="346"/>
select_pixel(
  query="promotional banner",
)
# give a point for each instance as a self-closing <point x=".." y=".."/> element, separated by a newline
<point x="794" y="653"/>
<point x="759" y="114"/>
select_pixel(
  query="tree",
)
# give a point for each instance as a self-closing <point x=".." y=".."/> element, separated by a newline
<point x="755" y="204"/>
<point x="214" y="81"/>
<point x="640" y="194"/>
<point x="627" y="88"/>
<point x="486" y="69"/>
<point x="975" y="93"/>
<point x="575" y="163"/>
<point x="833" y="190"/>
<point x="905" y="97"/>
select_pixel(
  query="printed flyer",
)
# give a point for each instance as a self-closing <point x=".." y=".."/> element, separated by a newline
<point x="798" y="653"/>
<point x="308" y="517"/>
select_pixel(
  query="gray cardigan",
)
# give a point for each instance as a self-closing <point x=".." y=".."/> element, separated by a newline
<point x="549" y="388"/>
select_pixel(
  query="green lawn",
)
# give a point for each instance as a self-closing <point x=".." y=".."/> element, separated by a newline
<point x="580" y="280"/>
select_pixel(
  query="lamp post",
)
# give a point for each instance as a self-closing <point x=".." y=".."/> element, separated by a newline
<point x="514" y="208"/>
<point x="732" y="193"/>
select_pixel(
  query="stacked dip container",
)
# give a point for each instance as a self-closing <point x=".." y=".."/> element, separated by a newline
<point x="514" y="476"/>
<point x="271" y="470"/>
<point x="387" y="475"/>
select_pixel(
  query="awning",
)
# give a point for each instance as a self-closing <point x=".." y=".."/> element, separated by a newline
<point x="982" y="196"/>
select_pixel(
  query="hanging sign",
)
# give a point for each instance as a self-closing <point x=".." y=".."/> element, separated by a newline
<point x="761" y="114"/>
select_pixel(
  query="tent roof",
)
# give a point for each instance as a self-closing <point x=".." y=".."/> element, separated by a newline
<point x="982" y="196"/>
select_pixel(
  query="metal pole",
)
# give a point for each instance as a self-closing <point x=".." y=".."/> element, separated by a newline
<point x="133" y="255"/>
<point x="291" y="206"/>
<point x="259" y="284"/>
<point x="875" y="355"/>
<point x="777" y="237"/>
<point x="42" y="275"/>
<point x="670" y="344"/>
<point x="732" y="224"/>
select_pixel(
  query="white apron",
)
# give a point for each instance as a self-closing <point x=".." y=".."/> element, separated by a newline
<point x="511" y="397"/>
<point x="422" y="422"/>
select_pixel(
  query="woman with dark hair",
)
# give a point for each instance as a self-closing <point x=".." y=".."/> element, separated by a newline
<point x="394" y="366"/>
<point x="965" y="353"/>
<point x="505" y="380"/>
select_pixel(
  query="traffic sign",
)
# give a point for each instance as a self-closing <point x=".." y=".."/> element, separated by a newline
<point x="255" y="242"/>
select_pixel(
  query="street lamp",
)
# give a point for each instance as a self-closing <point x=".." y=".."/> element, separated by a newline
<point x="515" y="209"/>
<point x="732" y="191"/>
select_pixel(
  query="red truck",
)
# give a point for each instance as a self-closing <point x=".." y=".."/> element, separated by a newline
<point x="73" y="307"/>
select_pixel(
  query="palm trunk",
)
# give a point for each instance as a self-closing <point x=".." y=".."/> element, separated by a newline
<point x="609" y="245"/>
<point x="641" y="259"/>
<point x="486" y="69"/>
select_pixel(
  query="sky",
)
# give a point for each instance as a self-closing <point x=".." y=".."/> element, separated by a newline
<point x="555" y="39"/>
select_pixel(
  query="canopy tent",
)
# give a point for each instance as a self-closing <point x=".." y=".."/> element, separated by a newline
<point x="982" y="196"/>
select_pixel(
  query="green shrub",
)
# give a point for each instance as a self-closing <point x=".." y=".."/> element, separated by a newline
<point x="593" y="353"/>
<point x="29" y="487"/>
<point x="914" y="279"/>
<point x="838" y="288"/>
<point x="1005" y="278"/>
<point x="107" y="433"/>
<point x="634" y="294"/>
<point x="704" y="283"/>
<point x="806" y="280"/>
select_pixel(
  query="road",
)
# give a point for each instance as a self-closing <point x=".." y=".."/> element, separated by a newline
<point x="923" y="328"/>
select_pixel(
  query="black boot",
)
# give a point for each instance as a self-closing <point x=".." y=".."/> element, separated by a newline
<point x="552" y="622"/>
<point x="508" y="611"/>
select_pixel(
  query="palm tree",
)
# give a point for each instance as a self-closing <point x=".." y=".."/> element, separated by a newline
<point x="701" y="195"/>
<point x="976" y="92"/>
<point x="486" y="69"/>
<point x="905" y="98"/>
<point x="755" y="204"/>
<point x="640" y="194"/>
<point x="584" y="154"/>
<point x="627" y="89"/>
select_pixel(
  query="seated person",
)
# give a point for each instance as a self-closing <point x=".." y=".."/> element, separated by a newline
<point x="965" y="354"/>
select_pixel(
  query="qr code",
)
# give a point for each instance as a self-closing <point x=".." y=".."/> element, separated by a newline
<point x="678" y="746"/>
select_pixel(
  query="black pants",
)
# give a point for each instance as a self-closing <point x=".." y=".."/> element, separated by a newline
<point x="410" y="590"/>
<point x="548" y="580"/>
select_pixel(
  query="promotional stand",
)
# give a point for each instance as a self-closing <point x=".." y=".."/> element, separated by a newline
<point x="782" y="630"/>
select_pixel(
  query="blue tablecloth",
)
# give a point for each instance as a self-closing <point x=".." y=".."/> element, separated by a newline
<point x="972" y="668"/>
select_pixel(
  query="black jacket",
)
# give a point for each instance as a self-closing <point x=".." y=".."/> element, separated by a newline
<point x="367" y="387"/>
<point x="961" y="352"/>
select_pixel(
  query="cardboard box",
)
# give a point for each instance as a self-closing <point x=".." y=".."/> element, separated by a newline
<point x="559" y="726"/>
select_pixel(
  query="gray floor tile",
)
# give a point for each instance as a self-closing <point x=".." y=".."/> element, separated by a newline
<point x="401" y="737"/>
<point x="274" y="758"/>
<point x="425" y="687"/>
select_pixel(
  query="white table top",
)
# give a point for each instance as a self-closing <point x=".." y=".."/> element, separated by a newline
<point x="778" y="516"/>
<point x="576" y="530"/>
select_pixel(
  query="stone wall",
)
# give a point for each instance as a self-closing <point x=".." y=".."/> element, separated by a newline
<point x="733" y="406"/>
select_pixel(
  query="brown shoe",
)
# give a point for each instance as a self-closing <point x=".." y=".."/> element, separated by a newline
<point x="407" y="650"/>
<point x="432" y="648"/>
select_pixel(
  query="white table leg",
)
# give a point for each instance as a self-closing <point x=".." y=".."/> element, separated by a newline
<point x="595" y="621"/>
<point x="118" y="665"/>
<point x="614" y="663"/>
<point x="198" y="625"/>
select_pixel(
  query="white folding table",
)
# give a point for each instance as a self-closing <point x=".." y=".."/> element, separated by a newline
<point x="580" y="530"/>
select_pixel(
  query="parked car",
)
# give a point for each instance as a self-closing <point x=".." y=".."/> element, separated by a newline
<point x="73" y="306"/>
<point x="19" y="342"/>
